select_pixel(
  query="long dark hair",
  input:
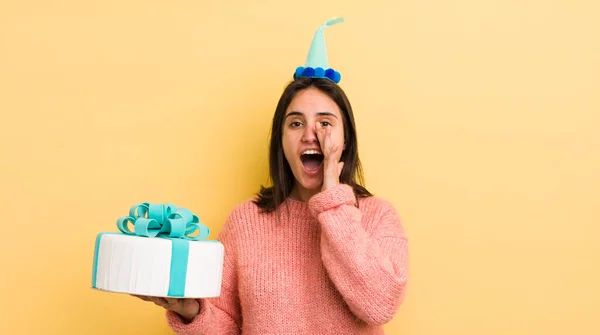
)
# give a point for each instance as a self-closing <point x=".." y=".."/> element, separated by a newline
<point x="269" y="198"/>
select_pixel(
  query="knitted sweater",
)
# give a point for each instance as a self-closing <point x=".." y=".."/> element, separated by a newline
<point x="327" y="267"/>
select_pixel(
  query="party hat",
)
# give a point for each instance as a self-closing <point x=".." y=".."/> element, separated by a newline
<point x="317" y="64"/>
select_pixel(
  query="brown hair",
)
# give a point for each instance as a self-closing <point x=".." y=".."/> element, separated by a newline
<point x="280" y="173"/>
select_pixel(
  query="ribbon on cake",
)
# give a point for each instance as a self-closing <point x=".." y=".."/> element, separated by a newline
<point x="162" y="220"/>
<point x="170" y="222"/>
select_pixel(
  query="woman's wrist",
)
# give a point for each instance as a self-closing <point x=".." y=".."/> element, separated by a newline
<point x="191" y="315"/>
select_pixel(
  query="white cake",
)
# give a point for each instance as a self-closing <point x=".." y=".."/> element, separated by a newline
<point x="159" y="266"/>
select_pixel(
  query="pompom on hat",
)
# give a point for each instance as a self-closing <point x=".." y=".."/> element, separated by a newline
<point x="317" y="64"/>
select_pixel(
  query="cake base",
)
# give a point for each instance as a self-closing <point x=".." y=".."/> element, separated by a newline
<point x="158" y="267"/>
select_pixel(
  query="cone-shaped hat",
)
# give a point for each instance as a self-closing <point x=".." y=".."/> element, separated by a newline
<point x="317" y="63"/>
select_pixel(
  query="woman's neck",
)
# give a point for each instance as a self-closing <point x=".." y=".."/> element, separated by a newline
<point x="302" y="194"/>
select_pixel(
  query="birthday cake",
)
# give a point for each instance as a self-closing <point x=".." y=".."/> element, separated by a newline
<point x="165" y="255"/>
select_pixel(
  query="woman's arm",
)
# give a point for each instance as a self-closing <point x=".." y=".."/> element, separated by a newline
<point x="219" y="315"/>
<point x="369" y="267"/>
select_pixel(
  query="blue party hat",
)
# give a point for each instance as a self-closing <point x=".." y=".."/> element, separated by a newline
<point x="317" y="64"/>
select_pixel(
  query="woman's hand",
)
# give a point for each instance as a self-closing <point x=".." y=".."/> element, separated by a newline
<point x="188" y="309"/>
<point x="332" y="152"/>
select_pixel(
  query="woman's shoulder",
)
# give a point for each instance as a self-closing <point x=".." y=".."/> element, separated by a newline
<point x="240" y="216"/>
<point x="381" y="213"/>
<point x="375" y="200"/>
<point x="244" y="209"/>
<point x="376" y="205"/>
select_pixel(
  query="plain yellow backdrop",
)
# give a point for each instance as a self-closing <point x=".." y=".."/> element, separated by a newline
<point x="479" y="120"/>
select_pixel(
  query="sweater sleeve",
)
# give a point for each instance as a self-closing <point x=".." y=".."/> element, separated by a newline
<point x="369" y="267"/>
<point x="220" y="315"/>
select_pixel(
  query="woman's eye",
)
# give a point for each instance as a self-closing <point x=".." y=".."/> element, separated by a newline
<point x="325" y="124"/>
<point x="295" y="124"/>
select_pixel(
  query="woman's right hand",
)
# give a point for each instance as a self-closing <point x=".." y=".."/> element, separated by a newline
<point x="188" y="309"/>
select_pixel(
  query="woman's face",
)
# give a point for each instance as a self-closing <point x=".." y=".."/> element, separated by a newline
<point x="300" y="142"/>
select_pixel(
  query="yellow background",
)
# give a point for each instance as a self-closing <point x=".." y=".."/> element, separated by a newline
<point x="479" y="120"/>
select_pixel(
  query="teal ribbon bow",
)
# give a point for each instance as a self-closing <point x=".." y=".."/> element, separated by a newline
<point x="162" y="220"/>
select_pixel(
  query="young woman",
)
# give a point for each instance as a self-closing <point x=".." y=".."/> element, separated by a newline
<point x="316" y="253"/>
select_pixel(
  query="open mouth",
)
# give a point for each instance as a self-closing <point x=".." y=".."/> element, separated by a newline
<point x="311" y="161"/>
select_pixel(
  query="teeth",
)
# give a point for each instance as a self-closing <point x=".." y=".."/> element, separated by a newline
<point x="311" y="152"/>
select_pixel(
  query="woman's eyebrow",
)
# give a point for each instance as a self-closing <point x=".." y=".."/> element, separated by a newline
<point x="293" y="113"/>
<point x="326" y="114"/>
<point x="318" y="114"/>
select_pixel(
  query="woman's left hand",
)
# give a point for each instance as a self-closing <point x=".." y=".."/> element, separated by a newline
<point x="332" y="152"/>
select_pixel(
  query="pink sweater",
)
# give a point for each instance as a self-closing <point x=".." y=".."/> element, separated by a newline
<point x="326" y="268"/>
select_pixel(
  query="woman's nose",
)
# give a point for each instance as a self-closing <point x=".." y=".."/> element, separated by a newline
<point x="310" y="134"/>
